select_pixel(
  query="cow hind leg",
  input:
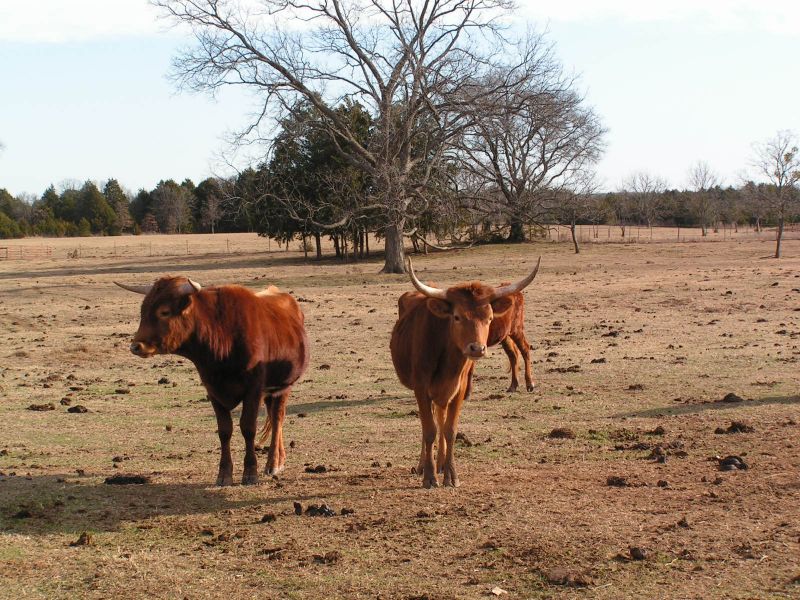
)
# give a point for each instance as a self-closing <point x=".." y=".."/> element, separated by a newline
<point x="525" y="349"/>
<point x="248" y="424"/>
<point x="513" y="360"/>
<point x="225" y="430"/>
<point x="276" y="407"/>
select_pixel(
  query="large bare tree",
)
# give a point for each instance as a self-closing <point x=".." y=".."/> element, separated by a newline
<point x="418" y="66"/>
<point x="703" y="181"/>
<point x="777" y="160"/>
<point x="533" y="142"/>
<point x="645" y="192"/>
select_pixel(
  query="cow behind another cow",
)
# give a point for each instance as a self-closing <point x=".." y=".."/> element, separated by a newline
<point x="245" y="346"/>
<point x="438" y="336"/>
<point x="508" y="329"/>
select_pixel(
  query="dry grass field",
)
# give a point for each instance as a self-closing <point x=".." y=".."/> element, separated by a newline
<point x="635" y="347"/>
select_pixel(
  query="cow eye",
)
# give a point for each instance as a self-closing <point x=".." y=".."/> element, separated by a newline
<point x="456" y="318"/>
<point x="163" y="313"/>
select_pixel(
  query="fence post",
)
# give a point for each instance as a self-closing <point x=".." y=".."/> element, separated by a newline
<point x="187" y="247"/>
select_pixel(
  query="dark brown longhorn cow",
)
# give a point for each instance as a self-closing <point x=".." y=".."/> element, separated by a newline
<point x="508" y="329"/>
<point x="439" y="335"/>
<point x="247" y="348"/>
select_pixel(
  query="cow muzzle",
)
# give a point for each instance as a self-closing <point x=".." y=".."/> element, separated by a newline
<point x="141" y="349"/>
<point x="475" y="350"/>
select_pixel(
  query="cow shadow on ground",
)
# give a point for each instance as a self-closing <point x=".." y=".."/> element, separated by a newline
<point x="323" y="405"/>
<point x="156" y="266"/>
<point x="685" y="409"/>
<point x="67" y="504"/>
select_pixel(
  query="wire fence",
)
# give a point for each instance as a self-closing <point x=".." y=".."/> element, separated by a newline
<point x="249" y="243"/>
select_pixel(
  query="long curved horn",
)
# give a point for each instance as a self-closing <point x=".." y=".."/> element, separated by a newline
<point x="190" y="287"/>
<point x="137" y="289"/>
<point x="507" y="290"/>
<point x="429" y="291"/>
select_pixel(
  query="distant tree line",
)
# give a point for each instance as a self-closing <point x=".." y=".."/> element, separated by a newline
<point x="88" y="209"/>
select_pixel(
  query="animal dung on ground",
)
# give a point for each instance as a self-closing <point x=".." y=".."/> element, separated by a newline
<point x="735" y="427"/>
<point x="42" y="407"/>
<point x="127" y="480"/>
<point x="731" y="397"/>
<point x="732" y="463"/>
<point x="85" y="539"/>
<point x="322" y="510"/>
<point x="78" y="408"/>
<point x="616" y="481"/>
<point x="637" y="553"/>
<point x="561" y="433"/>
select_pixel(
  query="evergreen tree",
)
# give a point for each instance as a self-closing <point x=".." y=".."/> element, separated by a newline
<point x="118" y="201"/>
<point x="93" y="207"/>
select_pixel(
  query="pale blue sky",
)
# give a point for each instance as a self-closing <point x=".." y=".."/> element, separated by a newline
<point x="84" y="94"/>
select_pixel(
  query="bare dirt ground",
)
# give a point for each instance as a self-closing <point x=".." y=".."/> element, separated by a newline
<point x="635" y="347"/>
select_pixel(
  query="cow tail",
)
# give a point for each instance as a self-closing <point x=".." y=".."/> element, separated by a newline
<point x="266" y="430"/>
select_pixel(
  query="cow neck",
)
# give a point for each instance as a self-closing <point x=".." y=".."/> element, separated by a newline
<point x="212" y="336"/>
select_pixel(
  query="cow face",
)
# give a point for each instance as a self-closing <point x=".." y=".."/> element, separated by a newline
<point x="470" y="315"/>
<point x="166" y="316"/>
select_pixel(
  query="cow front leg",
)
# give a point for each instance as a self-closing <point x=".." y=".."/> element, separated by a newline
<point x="439" y="415"/>
<point x="225" y="430"/>
<point x="450" y="429"/>
<point x="277" y="453"/>
<point x="248" y="423"/>
<point x="511" y="351"/>
<point x="428" y="437"/>
<point x="525" y="349"/>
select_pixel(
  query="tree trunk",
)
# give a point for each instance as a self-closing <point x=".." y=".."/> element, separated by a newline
<point x="574" y="238"/>
<point x="779" y="238"/>
<point x="394" y="255"/>
<point x="318" y="242"/>
<point x="305" y="247"/>
<point x="336" y="246"/>
<point x="517" y="233"/>
<point x="366" y="242"/>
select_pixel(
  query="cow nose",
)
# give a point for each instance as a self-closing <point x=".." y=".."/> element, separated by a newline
<point x="476" y="349"/>
<point x="137" y="348"/>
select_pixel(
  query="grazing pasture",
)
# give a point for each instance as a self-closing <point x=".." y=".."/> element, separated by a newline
<point x="607" y="481"/>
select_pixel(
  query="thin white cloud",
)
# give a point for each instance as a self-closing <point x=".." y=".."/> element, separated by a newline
<point x="57" y="21"/>
<point x="777" y="16"/>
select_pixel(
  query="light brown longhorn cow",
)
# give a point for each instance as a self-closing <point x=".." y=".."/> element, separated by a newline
<point x="439" y="335"/>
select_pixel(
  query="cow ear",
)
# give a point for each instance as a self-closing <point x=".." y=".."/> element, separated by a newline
<point x="184" y="302"/>
<point x="502" y="306"/>
<point x="440" y="308"/>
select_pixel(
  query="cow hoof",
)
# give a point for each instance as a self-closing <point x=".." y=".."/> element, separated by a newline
<point x="511" y="389"/>
<point x="451" y="481"/>
<point x="274" y="470"/>
<point x="531" y="387"/>
<point x="250" y="479"/>
<point x="418" y="470"/>
<point x="224" y="480"/>
<point x="430" y="482"/>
